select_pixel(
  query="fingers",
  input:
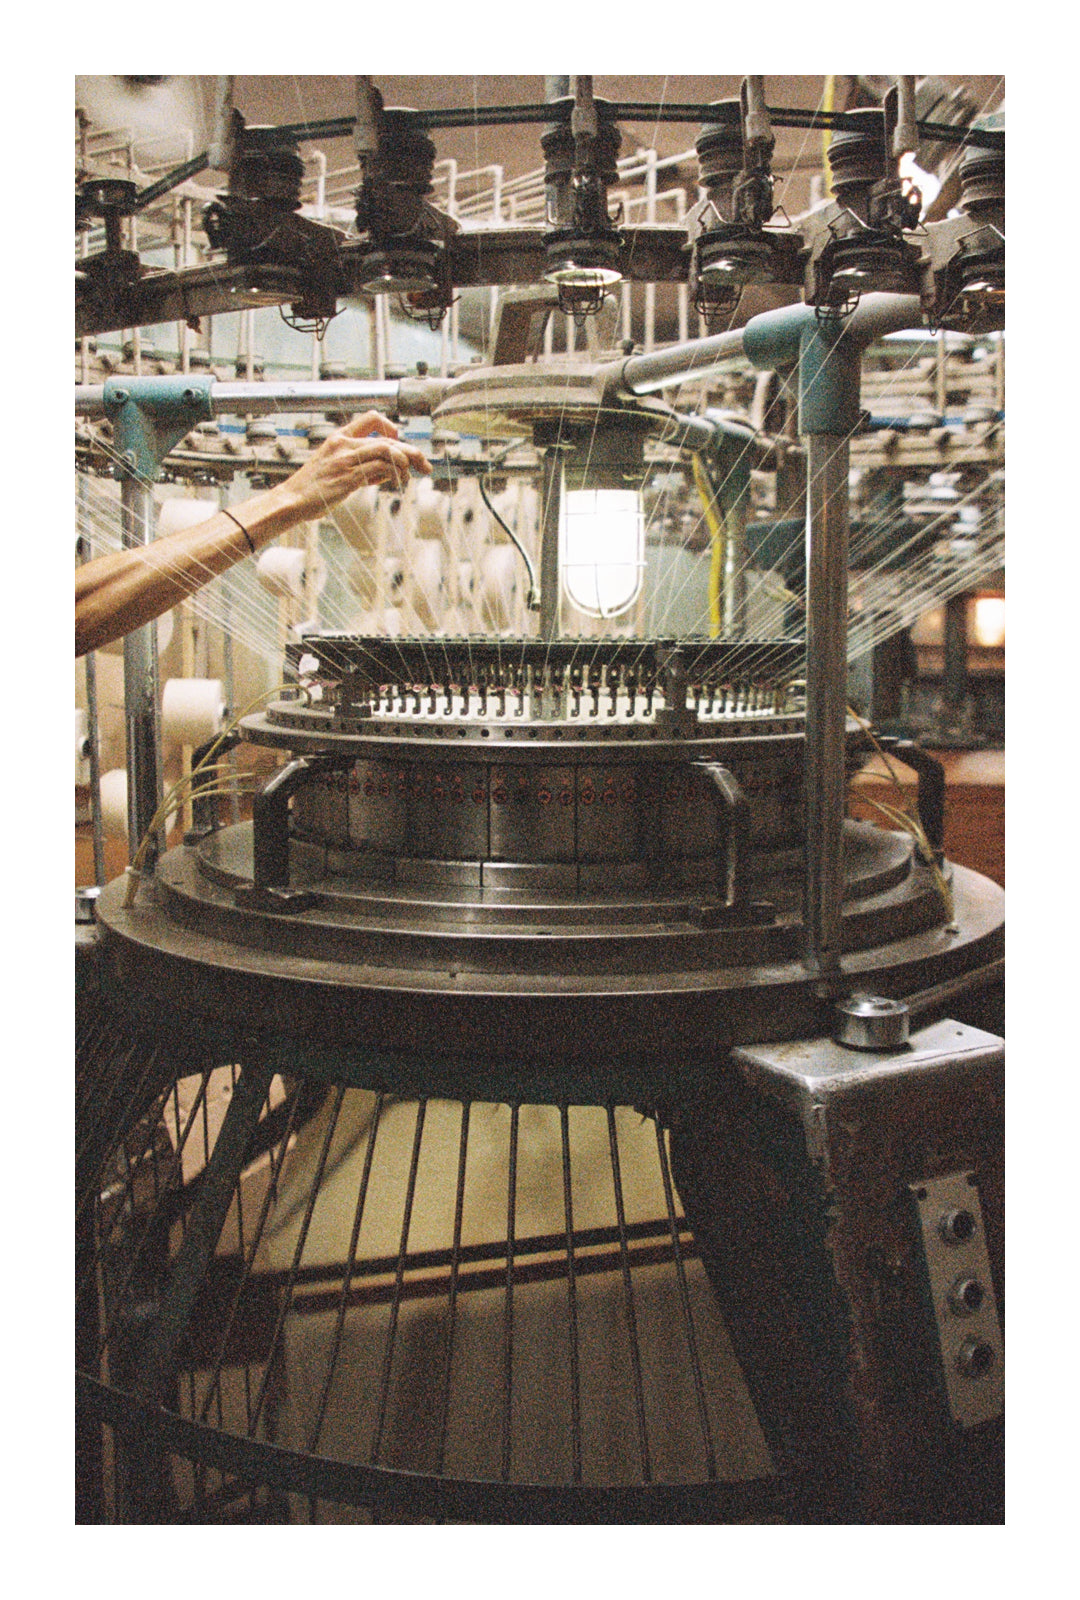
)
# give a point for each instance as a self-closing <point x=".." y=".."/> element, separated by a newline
<point x="369" y="422"/>
<point x="373" y="422"/>
<point x="418" y="461"/>
<point x="395" y="457"/>
<point x="365" y="451"/>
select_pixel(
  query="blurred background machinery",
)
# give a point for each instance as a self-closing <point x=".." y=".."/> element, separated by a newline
<point x="518" y="1081"/>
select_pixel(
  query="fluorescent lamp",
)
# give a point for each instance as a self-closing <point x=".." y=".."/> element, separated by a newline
<point x="602" y="549"/>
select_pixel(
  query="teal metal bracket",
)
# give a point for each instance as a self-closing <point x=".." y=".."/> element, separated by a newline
<point x="731" y="453"/>
<point x="150" y="415"/>
<point x="828" y="358"/>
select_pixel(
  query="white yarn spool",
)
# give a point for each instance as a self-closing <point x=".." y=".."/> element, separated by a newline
<point x="424" y="581"/>
<point x="361" y="579"/>
<point x="179" y="512"/>
<point x="192" y="711"/>
<point x="114" y="817"/>
<point x="466" y="582"/>
<point x="528" y="515"/>
<point x="82" y="747"/>
<point x="289" y="574"/>
<point x="432" y="512"/>
<point x="354" y="518"/>
<point x="498" y="586"/>
<point x="393" y="578"/>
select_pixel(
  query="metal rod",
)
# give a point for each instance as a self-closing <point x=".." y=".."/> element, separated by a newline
<point x="88" y="1134"/>
<point x="276" y="1161"/>
<point x="301" y="1241"/>
<point x="955" y="664"/>
<point x="399" y="1278"/>
<point x="178" y="175"/>
<point x="628" y="1290"/>
<point x="826" y="697"/>
<point x="698" y="357"/>
<point x="269" y="398"/>
<point x="571" y="1302"/>
<point x="684" y="1300"/>
<point x="90" y="669"/>
<point x="549" y="544"/>
<point x="624" y="111"/>
<point x="228" y="661"/>
<point x="141" y="685"/>
<point x="350" y="1268"/>
<point x="734" y="590"/>
<point x="455" y="1266"/>
<point x="508" y="1319"/>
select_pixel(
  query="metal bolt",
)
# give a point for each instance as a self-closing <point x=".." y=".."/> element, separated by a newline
<point x="956" y="1227"/>
<point x="975" y="1358"/>
<point x="966" y="1296"/>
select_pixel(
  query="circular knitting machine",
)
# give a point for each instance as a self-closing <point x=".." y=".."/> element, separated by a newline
<point x="465" y="1138"/>
<point x="502" y="892"/>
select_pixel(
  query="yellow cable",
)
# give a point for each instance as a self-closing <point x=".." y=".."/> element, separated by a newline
<point x="716" y="532"/>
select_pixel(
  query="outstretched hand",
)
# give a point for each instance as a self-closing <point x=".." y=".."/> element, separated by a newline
<point x="366" y="450"/>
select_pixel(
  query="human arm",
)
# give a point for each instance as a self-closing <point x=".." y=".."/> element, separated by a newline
<point x="118" y="592"/>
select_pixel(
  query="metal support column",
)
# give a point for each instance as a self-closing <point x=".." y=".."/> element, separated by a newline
<point x="144" y="792"/>
<point x="549" y="545"/>
<point x="90" y="668"/>
<point x="826" y="696"/>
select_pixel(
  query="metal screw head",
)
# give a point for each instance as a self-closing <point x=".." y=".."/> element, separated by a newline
<point x="975" y="1358"/>
<point x="957" y="1227"/>
<point x="966" y="1297"/>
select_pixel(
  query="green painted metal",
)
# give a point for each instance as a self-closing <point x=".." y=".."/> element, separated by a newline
<point x="731" y="455"/>
<point x="151" y="415"/>
<point x="828" y="358"/>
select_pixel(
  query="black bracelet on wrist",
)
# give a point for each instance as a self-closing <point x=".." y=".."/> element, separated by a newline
<point x="240" y="525"/>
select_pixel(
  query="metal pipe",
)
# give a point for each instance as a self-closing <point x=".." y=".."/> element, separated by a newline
<point x="698" y="357"/>
<point x="222" y="122"/>
<point x="266" y="399"/>
<point x="96" y="822"/>
<point x="650" y="216"/>
<point x="954" y="668"/>
<point x="144" y="792"/>
<point x="906" y="132"/>
<point x="734" y="591"/>
<point x="549" y="545"/>
<point x="874" y="316"/>
<point x="879" y="314"/>
<point x="90" y="666"/>
<point x="826" y="696"/>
